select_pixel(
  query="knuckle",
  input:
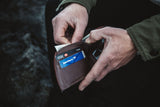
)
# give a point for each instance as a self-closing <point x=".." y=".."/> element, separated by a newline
<point x="94" y="75"/>
<point x="56" y="19"/>
<point x="108" y="27"/>
<point x="92" y="32"/>
<point x="114" y="65"/>
<point x="95" y="32"/>
<point x="110" y="30"/>
<point x="56" y="39"/>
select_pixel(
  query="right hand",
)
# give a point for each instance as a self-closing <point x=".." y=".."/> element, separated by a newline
<point x="118" y="50"/>
<point x="74" y="15"/>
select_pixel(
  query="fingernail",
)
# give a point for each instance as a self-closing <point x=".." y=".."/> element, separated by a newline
<point x="82" y="88"/>
<point x="88" y="41"/>
<point x="67" y="42"/>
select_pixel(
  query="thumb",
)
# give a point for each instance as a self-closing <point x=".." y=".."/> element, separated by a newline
<point x="59" y="30"/>
<point x="78" y="33"/>
<point x="94" y="36"/>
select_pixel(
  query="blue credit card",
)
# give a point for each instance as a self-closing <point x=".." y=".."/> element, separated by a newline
<point x="72" y="59"/>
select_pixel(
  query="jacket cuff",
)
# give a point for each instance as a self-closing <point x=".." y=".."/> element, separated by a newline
<point x="88" y="4"/>
<point x="146" y="37"/>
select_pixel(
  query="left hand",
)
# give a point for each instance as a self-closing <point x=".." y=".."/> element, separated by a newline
<point x="118" y="50"/>
<point x="75" y="16"/>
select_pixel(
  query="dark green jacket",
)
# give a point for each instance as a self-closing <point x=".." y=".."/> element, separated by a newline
<point x="145" y="35"/>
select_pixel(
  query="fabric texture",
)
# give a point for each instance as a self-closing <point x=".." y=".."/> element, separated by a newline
<point x="88" y="4"/>
<point x="146" y="37"/>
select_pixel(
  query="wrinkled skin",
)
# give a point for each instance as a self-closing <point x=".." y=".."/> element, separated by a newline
<point x="118" y="51"/>
<point x="73" y="15"/>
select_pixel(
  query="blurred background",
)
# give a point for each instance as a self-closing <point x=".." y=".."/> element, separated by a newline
<point x="25" y="79"/>
<point x="24" y="68"/>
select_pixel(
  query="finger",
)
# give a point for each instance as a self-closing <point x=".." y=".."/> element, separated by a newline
<point x="78" y="33"/>
<point x="59" y="29"/>
<point x="88" y="79"/>
<point x="94" y="73"/>
<point x="104" y="73"/>
<point x="94" y="36"/>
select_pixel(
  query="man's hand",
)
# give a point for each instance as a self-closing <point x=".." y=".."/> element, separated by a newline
<point x="118" y="50"/>
<point x="73" y="15"/>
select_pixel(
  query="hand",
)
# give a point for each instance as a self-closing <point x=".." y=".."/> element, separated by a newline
<point x="118" y="50"/>
<point x="73" y="15"/>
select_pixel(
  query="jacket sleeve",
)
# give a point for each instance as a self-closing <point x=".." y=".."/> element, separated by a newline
<point x="146" y="37"/>
<point x="88" y="4"/>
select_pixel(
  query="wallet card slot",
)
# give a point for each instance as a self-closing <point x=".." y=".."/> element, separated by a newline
<point x="67" y="53"/>
<point x="72" y="59"/>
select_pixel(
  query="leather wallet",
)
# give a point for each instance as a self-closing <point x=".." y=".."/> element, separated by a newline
<point x="74" y="61"/>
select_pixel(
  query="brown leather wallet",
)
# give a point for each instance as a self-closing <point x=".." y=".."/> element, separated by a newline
<point x="73" y="62"/>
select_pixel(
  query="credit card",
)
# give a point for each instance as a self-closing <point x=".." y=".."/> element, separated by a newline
<point x="58" y="47"/>
<point x="68" y="53"/>
<point x="72" y="59"/>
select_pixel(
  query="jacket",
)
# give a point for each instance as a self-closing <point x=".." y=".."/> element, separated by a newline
<point x="145" y="35"/>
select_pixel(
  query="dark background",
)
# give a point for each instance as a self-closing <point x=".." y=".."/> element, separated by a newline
<point x="25" y="79"/>
<point x="24" y="67"/>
